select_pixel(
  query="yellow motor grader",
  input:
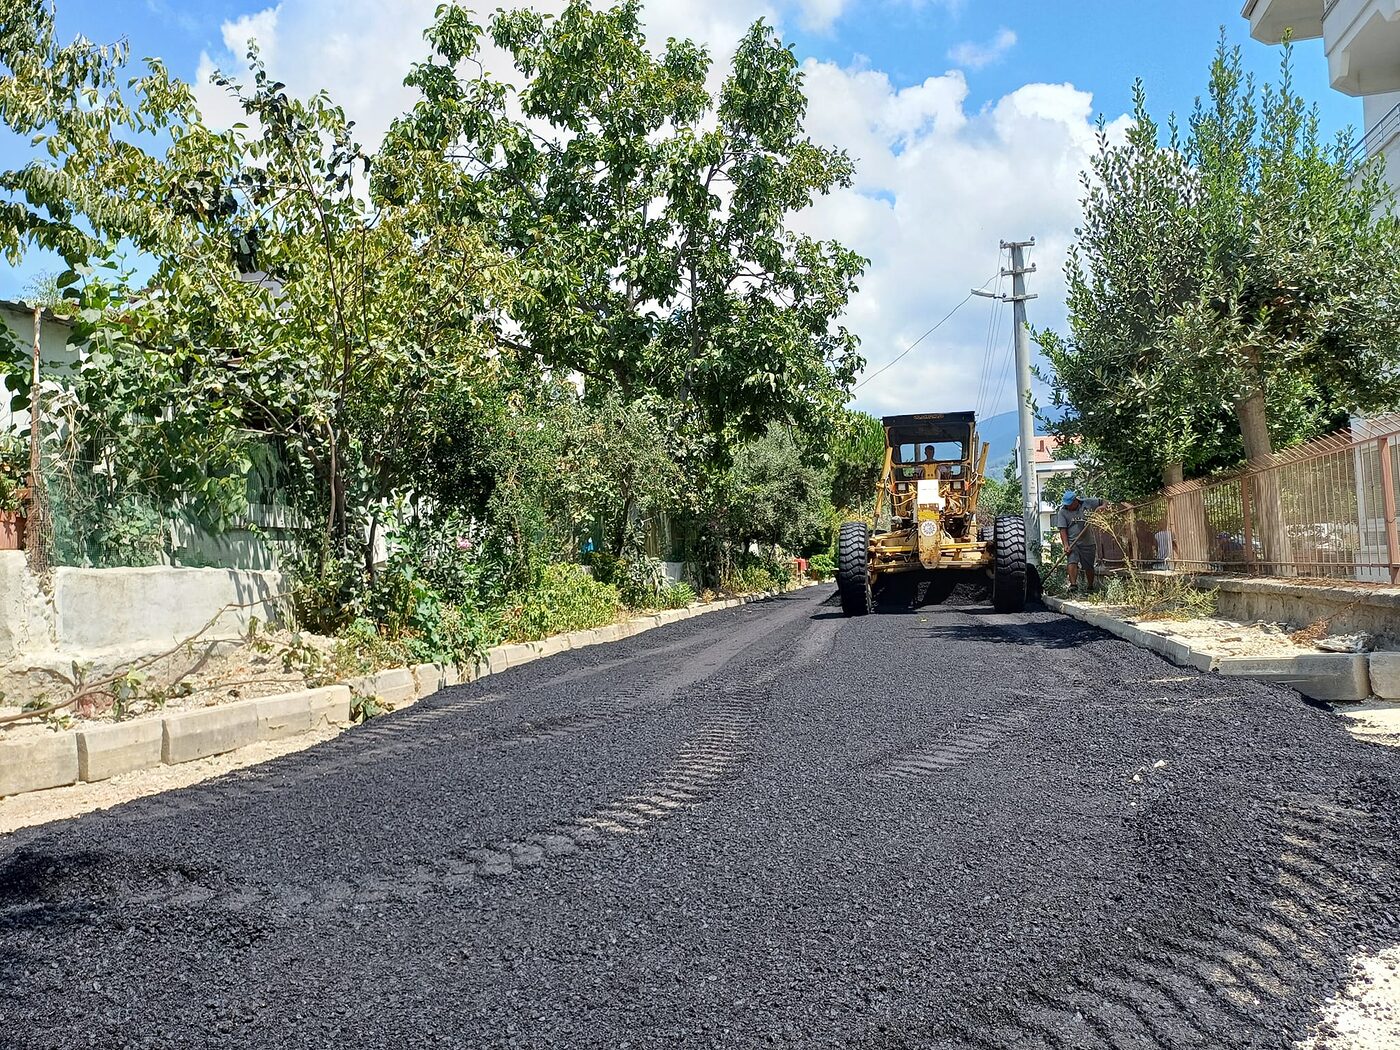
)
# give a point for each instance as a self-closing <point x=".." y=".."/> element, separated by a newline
<point x="925" y="515"/>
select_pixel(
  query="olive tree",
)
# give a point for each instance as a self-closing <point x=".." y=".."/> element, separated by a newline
<point x="1231" y="289"/>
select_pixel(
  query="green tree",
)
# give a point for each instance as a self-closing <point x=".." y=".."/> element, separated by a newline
<point x="285" y="307"/>
<point x="1230" y="290"/>
<point x="648" y="216"/>
<point x="1001" y="495"/>
<point x="1134" y="265"/>
<point x="857" y="451"/>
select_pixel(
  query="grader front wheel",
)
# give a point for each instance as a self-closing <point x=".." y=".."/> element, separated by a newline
<point x="1009" y="572"/>
<point x="853" y="569"/>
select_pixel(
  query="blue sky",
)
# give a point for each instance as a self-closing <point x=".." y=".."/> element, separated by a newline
<point x="969" y="121"/>
<point x="1098" y="45"/>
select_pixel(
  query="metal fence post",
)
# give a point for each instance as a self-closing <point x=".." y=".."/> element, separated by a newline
<point x="1248" y="522"/>
<point x="1392" y="536"/>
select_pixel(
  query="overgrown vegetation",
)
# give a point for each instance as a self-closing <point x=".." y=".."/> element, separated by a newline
<point x="1157" y="596"/>
<point x="558" y="322"/>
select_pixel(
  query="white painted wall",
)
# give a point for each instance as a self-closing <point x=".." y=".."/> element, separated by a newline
<point x="160" y="605"/>
<point x="57" y="360"/>
<point x="26" y="617"/>
<point x="135" y="610"/>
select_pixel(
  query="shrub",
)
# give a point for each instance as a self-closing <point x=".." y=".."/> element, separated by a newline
<point x="641" y="580"/>
<point x="1158" y="596"/>
<point x="329" y="600"/>
<point x="565" y="598"/>
<point x="360" y="648"/>
<point x="676" y="596"/>
<point x="757" y="574"/>
<point x="822" y="567"/>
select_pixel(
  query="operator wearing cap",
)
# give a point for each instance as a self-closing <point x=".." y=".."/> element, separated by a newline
<point x="1072" y="519"/>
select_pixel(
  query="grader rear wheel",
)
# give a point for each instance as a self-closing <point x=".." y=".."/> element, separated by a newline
<point x="853" y="569"/>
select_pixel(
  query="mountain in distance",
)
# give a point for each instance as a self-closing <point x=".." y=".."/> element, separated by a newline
<point x="999" y="431"/>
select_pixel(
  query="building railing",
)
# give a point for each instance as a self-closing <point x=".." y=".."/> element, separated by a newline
<point x="1326" y="508"/>
<point x="1382" y="131"/>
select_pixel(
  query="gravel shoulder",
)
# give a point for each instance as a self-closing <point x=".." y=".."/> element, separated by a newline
<point x="933" y="827"/>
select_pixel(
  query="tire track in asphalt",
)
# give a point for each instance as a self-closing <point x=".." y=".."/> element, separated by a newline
<point x="955" y="745"/>
<point x="1178" y="990"/>
<point x="1227" y="967"/>
<point x="402" y="733"/>
<point x="704" y="760"/>
<point x="709" y="757"/>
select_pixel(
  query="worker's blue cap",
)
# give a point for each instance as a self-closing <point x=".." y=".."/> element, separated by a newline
<point x="1069" y="497"/>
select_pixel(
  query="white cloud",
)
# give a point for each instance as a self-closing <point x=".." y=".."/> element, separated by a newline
<point x="937" y="189"/>
<point x="976" y="56"/>
<point x="939" y="184"/>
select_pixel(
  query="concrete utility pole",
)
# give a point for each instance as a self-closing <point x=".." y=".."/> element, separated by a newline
<point x="1030" y="491"/>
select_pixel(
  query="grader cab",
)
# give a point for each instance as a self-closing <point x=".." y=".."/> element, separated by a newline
<point x="926" y="516"/>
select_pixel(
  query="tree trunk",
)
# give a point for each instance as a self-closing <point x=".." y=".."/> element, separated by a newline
<point x="1276" y="554"/>
<point x="38" y="531"/>
<point x="370" y="572"/>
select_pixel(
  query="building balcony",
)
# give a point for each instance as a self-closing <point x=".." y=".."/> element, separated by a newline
<point x="1363" y="45"/>
<point x="1270" y="20"/>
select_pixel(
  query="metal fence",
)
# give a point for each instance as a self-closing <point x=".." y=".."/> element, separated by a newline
<point x="101" y="514"/>
<point x="1323" y="509"/>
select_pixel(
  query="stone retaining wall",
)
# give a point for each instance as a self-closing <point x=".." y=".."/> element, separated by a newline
<point x="1374" y="610"/>
<point x="133" y="610"/>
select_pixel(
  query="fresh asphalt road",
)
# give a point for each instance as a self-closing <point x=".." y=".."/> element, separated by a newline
<point x="770" y="826"/>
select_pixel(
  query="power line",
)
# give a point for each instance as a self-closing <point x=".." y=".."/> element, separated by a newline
<point x="1005" y="380"/>
<point x="988" y="369"/>
<point x="921" y="338"/>
<point x="982" y="378"/>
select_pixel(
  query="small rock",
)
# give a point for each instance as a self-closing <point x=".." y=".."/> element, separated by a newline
<point x="1345" y="643"/>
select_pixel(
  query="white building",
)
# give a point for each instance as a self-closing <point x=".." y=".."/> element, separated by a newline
<point x="1362" y="41"/>
<point x="57" y="358"/>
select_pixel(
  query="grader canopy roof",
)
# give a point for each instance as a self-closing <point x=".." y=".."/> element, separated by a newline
<point x="930" y="427"/>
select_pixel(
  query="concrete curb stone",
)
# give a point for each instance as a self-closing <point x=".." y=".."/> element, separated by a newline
<point x="431" y="678"/>
<point x="293" y="714"/>
<point x="38" y="762"/>
<point x="330" y="706"/>
<point x="1322" y="676"/>
<point x="552" y="646"/>
<point x="106" y="750"/>
<point x="394" y="685"/>
<point x="288" y="714"/>
<point x="515" y="654"/>
<point x="1384" y="669"/>
<point x="212" y="731"/>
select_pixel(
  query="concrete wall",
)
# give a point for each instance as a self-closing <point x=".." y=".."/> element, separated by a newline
<point x="1373" y="610"/>
<point x="26" y="617"/>
<point x="132" y="610"/>
<point x="159" y="605"/>
<point x="57" y="360"/>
